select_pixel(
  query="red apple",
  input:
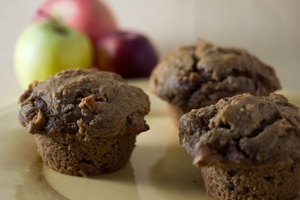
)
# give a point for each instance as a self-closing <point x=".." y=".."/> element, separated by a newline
<point x="129" y="54"/>
<point x="89" y="16"/>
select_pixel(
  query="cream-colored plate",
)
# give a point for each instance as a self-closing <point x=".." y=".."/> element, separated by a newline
<point x="158" y="169"/>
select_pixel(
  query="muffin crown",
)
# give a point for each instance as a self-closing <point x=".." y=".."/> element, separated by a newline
<point x="85" y="103"/>
<point x="243" y="130"/>
<point x="199" y="75"/>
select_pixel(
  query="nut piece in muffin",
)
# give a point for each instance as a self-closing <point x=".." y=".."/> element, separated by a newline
<point x="199" y="75"/>
<point x="85" y="122"/>
<point x="247" y="147"/>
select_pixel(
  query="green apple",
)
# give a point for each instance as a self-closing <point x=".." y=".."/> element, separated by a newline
<point x="46" y="48"/>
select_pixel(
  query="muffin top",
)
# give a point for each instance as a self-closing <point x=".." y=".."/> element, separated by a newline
<point x="84" y="103"/>
<point x="199" y="75"/>
<point x="243" y="130"/>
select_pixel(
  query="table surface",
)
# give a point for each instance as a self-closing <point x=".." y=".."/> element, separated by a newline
<point x="269" y="29"/>
<point x="159" y="167"/>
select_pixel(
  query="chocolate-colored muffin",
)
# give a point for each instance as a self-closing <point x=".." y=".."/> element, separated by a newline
<point x="85" y="122"/>
<point x="199" y="75"/>
<point x="247" y="147"/>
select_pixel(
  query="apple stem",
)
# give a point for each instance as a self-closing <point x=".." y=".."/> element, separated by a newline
<point x="54" y="22"/>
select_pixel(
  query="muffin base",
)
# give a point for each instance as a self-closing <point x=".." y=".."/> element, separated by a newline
<point x="258" y="183"/>
<point x="176" y="113"/>
<point x="86" y="158"/>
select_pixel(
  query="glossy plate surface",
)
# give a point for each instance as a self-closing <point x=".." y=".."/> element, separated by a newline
<point x="158" y="169"/>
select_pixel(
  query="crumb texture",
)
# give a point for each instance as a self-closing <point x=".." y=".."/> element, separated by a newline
<point x="243" y="130"/>
<point x="85" y="122"/>
<point x="199" y="75"/>
<point x="84" y="103"/>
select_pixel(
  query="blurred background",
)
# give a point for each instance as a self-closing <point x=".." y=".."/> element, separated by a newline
<point x="268" y="28"/>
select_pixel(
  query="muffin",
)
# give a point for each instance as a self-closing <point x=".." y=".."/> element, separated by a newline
<point x="247" y="147"/>
<point x="85" y="122"/>
<point x="200" y="74"/>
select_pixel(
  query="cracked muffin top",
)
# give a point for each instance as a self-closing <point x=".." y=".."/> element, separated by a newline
<point x="85" y="103"/>
<point x="243" y="130"/>
<point x="199" y="75"/>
